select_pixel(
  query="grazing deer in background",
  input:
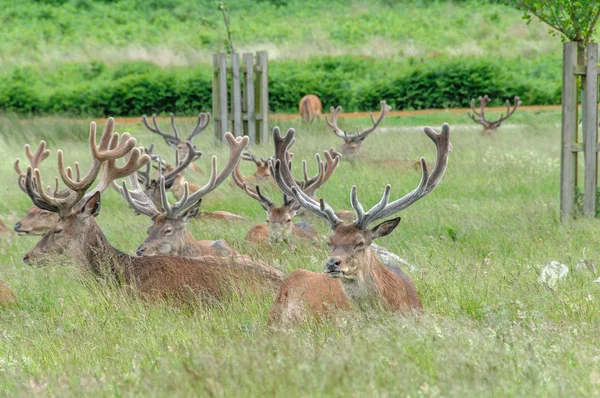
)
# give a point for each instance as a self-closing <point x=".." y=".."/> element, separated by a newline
<point x="37" y="221"/>
<point x="173" y="140"/>
<point x="354" y="276"/>
<point x="490" y="126"/>
<point x="353" y="143"/>
<point x="168" y="234"/>
<point x="310" y="107"/>
<point x="7" y="296"/>
<point x="78" y="236"/>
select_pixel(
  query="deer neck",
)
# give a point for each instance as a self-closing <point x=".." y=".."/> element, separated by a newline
<point x="369" y="289"/>
<point x="102" y="257"/>
<point x="190" y="246"/>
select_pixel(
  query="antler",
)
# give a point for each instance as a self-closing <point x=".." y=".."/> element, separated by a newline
<point x="173" y="140"/>
<point x="286" y="182"/>
<point x="35" y="159"/>
<point x="360" y="135"/>
<point x="252" y="158"/>
<point x="255" y="194"/>
<point x="479" y="117"/>
<point x="138" y="200"/>
<point x="103" y="156"/>
<point x="236" y="146"/>
<point x="310" y="185"/>
<point x="192" y="156"/>
<point x="428" y="182"/>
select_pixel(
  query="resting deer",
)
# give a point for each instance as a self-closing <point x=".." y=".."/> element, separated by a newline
<point x="37" y="221"/>
<point x="7" y="296"/>
<point x="353" y="275"/>
<point x="310" y="107"/>
<point x="173" y="140"/>
<point x="353" y="143"/>
<point x="490" y="126"/>
<point x="168" y="234"/>
<point x="78" y="236"/>
<point x="175" y="181"/>
<point x="262" y="174"/>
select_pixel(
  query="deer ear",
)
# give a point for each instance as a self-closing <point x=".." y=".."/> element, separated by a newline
<point x="385" y="228"/>
<point x="191" y="213"/>
<point x="91" y="207"/>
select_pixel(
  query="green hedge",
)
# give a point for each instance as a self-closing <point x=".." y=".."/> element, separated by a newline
<point x="356" y="83"/>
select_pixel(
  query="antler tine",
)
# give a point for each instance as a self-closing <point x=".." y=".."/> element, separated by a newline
<point x="201" y="125"/>
<point x="41" y="154"/>
<point x="509" y="112"/>
<point x="238" y="179"/>
<point x="136" y="198"/>
<point x="385" y="108"/>
<point x="428" y="182"/>
<point x="246" y="155"/>
<point x="111" y="171"/>
<point x="285" y="180"/>
<point x="333" y="124"/>
<point x="475" y="113"/>
<point x="171" y="212"/>
<point x="325" y="172"/>
<point x="169" y="139"/>
<point x="175" y="131"/>
<point x="236" y="146"/>
<point x="192" y="155"/>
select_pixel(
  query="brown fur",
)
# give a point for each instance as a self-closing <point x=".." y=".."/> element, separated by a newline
<point x="36" y="222"/>
<point x="219" y="216"/>
<point x="310" y="107"/>
<point x="3" y="228"/>
<point x="7" y="296"/>
<point x="364" y="281"/>
<point x="79" y="237"/>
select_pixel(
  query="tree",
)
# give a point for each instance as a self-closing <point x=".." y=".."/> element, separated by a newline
<point x="574" y="20"/>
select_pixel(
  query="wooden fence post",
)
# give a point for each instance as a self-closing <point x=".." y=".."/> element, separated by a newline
<point x="250" y="120"/>
<point x="568" y="178"/>
<point x="589" y="105"/>
<point x="263" y="100"/>
<point x="223" y="104"/>
<point x="236" y="95"/>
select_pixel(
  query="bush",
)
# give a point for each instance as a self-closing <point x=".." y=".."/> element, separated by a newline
<point x="356" y="83"/>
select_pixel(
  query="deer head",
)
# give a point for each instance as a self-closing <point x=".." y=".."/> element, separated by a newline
<point x="168" y="234"/>
<point x="351" y="258"/>
<point x="77" y="207"/>
<point x="37" y="221"/>
<point x="490" y="126"/>
<point x="173" y="140"/>
<point x="353" y="143"/>
<point x="262" y="172"/>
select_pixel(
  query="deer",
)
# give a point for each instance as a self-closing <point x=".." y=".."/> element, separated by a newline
<point x="78" y="236"/>
<point x="262" y="174"/>
<point x="168" y="234"/>
<point x="173" y="140"/>
<point x="37" y="221"/>
<point x="354" y="278"/>
<point x="490" y="126"/>
<point x="7" y="296"/>
<point x="310" y="107"/>
<point x="353" y="142"/>
<point x="175" y="181"/>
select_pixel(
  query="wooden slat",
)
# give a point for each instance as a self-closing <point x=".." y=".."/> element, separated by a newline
<point x="223" y="105"/>
<point x="263" y="87"/>
<point x="236" y="96"/>
<point x="248" y="60"/>
<point x="568" y="132"/>
<point x="215" y="97"/>
<point x="590" y="130"/>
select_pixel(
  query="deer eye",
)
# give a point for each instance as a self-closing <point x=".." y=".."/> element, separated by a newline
<point x="44" y="215"/>
<point x="58" y="231"/>
<point x="288" y="220"/>
<point x="267" y="221"/>
<point x="359" y="246"/>
<point x="168" y="231"/>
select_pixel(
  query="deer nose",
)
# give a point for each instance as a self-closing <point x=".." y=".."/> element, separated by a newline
<point x="333" y="264"/>
<point x="140" y="250"/>
<point x="17" y="226"/>
<point x="26" y="259"/>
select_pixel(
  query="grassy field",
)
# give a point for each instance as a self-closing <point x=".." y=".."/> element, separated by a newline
<point x="477" y="244"/>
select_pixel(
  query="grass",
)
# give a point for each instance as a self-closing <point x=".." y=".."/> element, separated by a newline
<point x="477" y="242"/>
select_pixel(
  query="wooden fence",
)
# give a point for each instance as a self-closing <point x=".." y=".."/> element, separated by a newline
<point x="572" y="144"/>
<point x="247" y="84"/>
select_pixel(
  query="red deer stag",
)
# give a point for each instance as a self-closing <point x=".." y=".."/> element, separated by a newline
<point x="490" y="126"/>
<point x="310" y="107"/>
<point x="353" y="275"/>
<point x="262" y="174"/>
<point x="353" y="142"/>
<point x="168" y="234"/>
<point x="78" y="236"/>
<point x="37" y="221"/>
<point x="173" y="140"/>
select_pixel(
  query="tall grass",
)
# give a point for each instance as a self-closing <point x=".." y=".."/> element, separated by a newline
<point x="477" y="242"/>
